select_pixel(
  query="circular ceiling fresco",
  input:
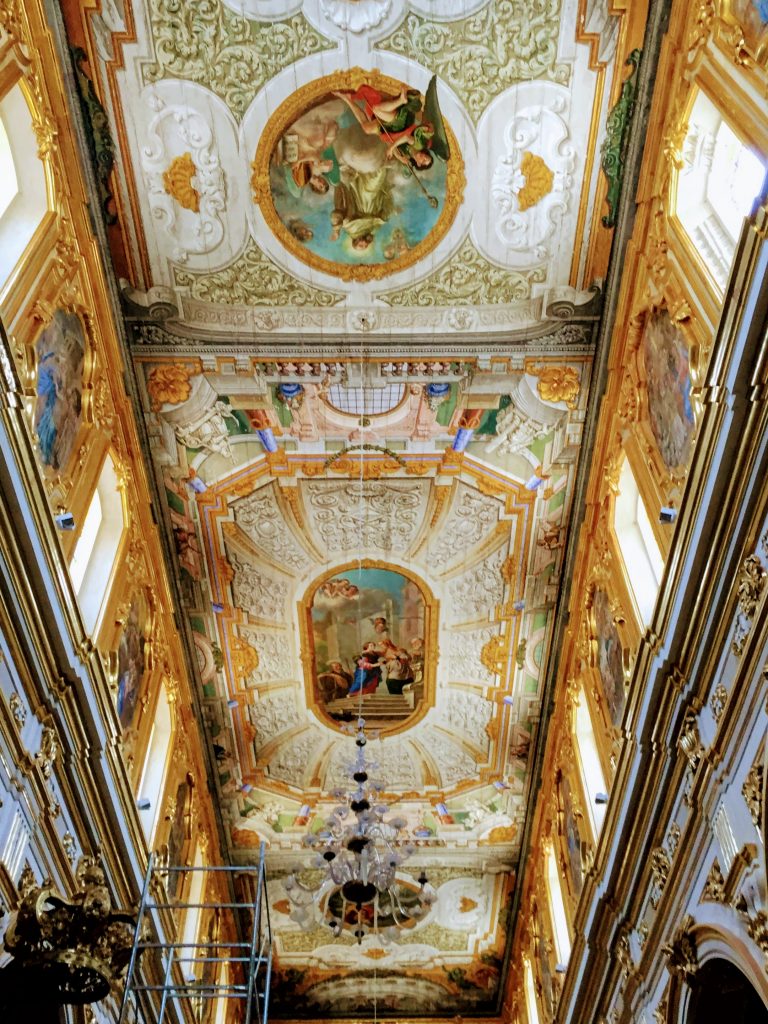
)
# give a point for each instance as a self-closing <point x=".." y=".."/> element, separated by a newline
<point x="358" y="175"/>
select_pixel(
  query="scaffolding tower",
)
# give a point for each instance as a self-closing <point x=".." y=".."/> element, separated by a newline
<point x="180" y="974"/>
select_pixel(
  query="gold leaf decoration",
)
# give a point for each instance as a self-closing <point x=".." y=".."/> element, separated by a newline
<point x="169" y="384"/>
<point x="467" y="279"/>
<point x="177" y="182"/>
<point x="558" y="384"/>
<point x="245" y="658"/>
<point x="538" y="180"/>
<point x="493" y="654"/>
<point x="253" y="280"/>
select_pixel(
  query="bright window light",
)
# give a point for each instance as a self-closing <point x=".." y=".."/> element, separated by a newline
<point x="531" y="1006"/>
<point x="735" y="180"/>
<point x="639" y="549"/>
<point x="85" y="542"/>
<point x="9" y="183"/>
<point x="591" y="766"/>
<point x="557" y="907"/>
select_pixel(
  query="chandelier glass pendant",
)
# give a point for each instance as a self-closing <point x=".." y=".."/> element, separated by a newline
<point x="359" y="853"/>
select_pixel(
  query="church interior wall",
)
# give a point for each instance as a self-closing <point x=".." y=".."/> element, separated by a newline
<point x="672" y="872"/>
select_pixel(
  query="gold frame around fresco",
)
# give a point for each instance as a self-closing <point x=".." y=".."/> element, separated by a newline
<point x="431" y="620"/>
<point x="292" y="108"/>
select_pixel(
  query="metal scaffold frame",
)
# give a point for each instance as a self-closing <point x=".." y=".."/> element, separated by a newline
<point x="173" y="981"/>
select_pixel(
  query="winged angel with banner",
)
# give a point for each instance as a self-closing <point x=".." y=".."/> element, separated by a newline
<point x="362" y="180"/>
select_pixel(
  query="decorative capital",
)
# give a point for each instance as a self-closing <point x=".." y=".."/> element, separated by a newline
<point x="682" y="955"/>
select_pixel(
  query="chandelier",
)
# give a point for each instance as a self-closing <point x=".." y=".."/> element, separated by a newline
<point x="358" y="854"/>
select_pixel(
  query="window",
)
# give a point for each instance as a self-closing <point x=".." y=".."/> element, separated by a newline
<point x="592" y="776"/>
<point x="9" y="183"/>
<point x="639" y="549"/>
<point x="97" y="546"/>
<point x="365" y="401"/>
<point x="716" y="188"/>
<point x="531" y="1006"/>
<point x="557" y="908"/>
<point x="153" y="775"/>
<point x="192" y="918"/>
<point x="23" y="192"/>
<point x="86" y="541"/>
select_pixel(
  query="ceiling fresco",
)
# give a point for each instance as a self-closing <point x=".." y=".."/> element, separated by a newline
<point x="336" y="164"/>
<point x="323" y="510"/>
<point x="351" y="237"/>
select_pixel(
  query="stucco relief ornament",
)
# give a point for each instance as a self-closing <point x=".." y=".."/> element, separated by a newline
<point x="682" y="955"/>
<point x="532" y="180"/>
<point x="356" y="15"/>
<point x="186" y="192"/>
<point x="750" y="584"/>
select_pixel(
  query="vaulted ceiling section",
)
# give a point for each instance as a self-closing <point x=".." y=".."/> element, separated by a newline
<point x="360" y="245"/>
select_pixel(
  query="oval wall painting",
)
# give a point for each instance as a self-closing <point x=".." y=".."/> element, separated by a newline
<point x="60" y="354"/>
<point x="368" y="631"/>
<point x="358" y="175"/>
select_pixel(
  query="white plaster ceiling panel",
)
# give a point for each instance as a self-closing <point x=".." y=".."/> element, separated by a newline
<point x="275" y="712"/>
<point x="188" y="148"/>
<point x="263" y="521"/>
<point x="468" y="715"/>
<point x="461" y="661"/>
<point x="476" y="593"/>
<point x="293" y="760"/>
<point x="276" y="657"/>
<point x="473" y="516"/>
<point x="259" y="593"/>
<point x="381" y="516"/>
<point x="453" y="762"/>
<point x="398" y="765"/>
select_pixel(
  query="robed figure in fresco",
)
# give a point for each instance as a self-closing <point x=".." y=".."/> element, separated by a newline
<point x="361" y="175"/>
<point x="367" y="637"/>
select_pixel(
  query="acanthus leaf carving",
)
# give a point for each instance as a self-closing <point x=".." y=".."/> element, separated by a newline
<point x="681" y="951"/>
<point x="467" y="279"/>
<point x="750" y="584"/>
<point x="752" y="791"/>
<point x="487" y="52"/>
<point x="714" y="887"/>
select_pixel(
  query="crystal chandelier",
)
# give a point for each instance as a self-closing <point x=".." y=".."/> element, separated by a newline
<point x="359" y="853"/>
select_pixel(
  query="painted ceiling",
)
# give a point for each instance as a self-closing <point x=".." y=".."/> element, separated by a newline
<point x="351" y="237"/>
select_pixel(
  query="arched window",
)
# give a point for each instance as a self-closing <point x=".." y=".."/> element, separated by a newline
<point x="23" y="193"/>
<point x="531" y="1005"/>
<point x="93" y="559"/>
<point x="591" y="767"/>
<point x="716" y="187"/>
<point x="153" y="776"/>
<point x="557" y="909"/>
<point x="638" y="545"/>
